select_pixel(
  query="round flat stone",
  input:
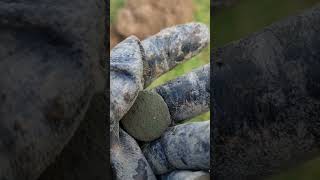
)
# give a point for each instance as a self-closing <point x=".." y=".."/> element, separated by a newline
<point x="148" y="118"/>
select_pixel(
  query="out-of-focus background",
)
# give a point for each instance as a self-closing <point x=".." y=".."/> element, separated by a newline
<point x="239" y="18"/>
<point x="143" y="18"/>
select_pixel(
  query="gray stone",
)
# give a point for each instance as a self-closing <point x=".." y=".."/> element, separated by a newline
<point x="148" y="118"/>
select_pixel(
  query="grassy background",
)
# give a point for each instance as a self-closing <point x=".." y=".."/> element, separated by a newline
<point x="247" y="16"/>
<point x="202" y="14"/>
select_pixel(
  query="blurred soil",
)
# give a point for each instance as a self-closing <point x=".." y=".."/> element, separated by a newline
<point x="143" y="18"/>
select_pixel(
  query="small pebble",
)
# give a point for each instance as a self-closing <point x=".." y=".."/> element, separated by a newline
<point x="148" y="118"/>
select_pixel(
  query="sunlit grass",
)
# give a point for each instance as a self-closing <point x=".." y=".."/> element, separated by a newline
<point x="307" y="171"/>
<point x="114" y="7"/>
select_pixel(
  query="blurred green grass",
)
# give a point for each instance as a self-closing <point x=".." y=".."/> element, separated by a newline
<point x="115" y="5"/>
<point x="307" y="171"/>
<point x="246" y="17"/>
<point x="202" y="14"/>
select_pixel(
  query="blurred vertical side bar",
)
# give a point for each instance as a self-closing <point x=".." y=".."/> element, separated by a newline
<point x="212" y="2"/>
<point x="266" y="100"/>
<point x="107" y="90"/>
<point x="86" y="156"/>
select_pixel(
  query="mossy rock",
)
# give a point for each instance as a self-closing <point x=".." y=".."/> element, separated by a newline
<point x="148" y="118"/>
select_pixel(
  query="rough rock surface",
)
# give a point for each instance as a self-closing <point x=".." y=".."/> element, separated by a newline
<point x="148" y="118"/>
<point x="51" y="55"/>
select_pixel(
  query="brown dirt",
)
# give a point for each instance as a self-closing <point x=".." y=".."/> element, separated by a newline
<point x="143" y="18"/>
<point x="115" y="37"/>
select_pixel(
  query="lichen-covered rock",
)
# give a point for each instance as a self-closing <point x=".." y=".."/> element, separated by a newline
<point x="51" y="55"/>
<point x="148" y="118"/>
